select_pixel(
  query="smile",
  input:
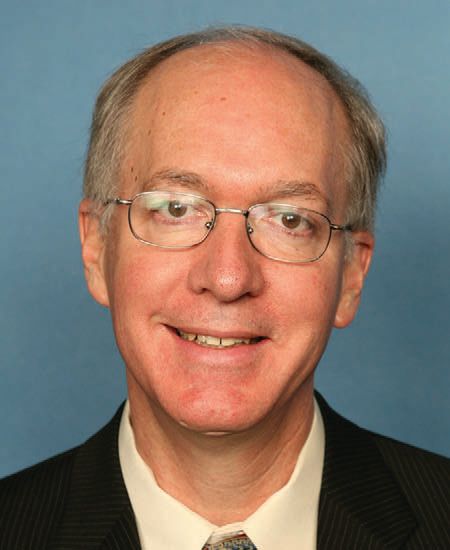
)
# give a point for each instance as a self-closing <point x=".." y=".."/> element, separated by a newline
<point x="215" y="342"/>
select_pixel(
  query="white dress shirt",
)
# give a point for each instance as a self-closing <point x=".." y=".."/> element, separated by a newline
<point x="287" y="519"/>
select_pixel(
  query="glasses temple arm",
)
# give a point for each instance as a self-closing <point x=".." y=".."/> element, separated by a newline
<point x="118" y="200"/>
<point x="336" y="227"/>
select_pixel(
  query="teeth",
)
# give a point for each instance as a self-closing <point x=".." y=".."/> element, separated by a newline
<point x="226" y="342"/>
<point x="208" y="340"/>
<point x="213" y="341"/>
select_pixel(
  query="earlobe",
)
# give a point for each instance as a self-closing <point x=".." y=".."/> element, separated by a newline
<point x="355" y="271"/>
<point x="92" y="252"/>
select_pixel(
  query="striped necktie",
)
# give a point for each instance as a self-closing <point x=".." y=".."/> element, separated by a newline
<point x="236" y="542"/>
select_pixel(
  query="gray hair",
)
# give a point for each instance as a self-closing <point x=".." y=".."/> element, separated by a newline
<point x="365" y="156"/>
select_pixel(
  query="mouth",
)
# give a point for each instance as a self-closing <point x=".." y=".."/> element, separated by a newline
<point x="215" y="342"/>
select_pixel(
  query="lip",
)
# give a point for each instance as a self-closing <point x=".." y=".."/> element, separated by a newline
<point x="194" y="353"/>
<point x="234" y="333"/>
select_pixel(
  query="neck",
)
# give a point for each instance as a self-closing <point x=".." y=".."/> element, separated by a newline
<point x="203" y="471"/>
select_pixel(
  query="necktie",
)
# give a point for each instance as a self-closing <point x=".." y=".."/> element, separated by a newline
<point x="236" y="542"/>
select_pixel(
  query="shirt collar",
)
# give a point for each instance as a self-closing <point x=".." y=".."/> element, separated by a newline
<point x="287" y="519"/>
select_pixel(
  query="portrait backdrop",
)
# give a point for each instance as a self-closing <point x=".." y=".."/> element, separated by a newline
<point x="61" y="375"/>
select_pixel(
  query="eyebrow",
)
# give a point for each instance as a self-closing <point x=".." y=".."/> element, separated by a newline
<point x="188" y="180"/>
<point x="297" y="188"/>
<point x="279" y="190"/>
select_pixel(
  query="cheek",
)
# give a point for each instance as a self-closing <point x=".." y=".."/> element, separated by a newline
<point x="141" y="284"/>
<point x="308" y="294"/>
<point x="305" y="312"/>
<point x="145" y="274"/>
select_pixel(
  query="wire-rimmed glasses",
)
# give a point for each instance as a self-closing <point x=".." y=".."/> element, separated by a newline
<point x="283" y="232"/>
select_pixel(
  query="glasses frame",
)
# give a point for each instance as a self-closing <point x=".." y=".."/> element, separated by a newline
<point x="216" y="211"/>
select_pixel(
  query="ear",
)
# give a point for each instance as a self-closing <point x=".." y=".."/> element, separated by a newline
<point x="356" y="268"/>
<point x="92" y="252"/>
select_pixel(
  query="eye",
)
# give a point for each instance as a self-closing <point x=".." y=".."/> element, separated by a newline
<point x="177" y="209"/>
<point x="291" y="220"/>
<point x="167" y="210"/>
<point x="298" y="224"/>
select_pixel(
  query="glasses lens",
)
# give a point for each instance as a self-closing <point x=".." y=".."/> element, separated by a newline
<point x="288" y="233"/>
<point x="172" y="220"/>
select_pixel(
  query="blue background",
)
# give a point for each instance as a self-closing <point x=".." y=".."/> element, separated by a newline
<point x="61" y="377"/>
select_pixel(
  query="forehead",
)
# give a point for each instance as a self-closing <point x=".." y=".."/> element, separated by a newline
<point x="235" y="104"/>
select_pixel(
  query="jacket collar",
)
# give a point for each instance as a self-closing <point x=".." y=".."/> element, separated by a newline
<point x="361" y="505"/>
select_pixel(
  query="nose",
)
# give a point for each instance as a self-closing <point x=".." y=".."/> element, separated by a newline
<point x="226" y="264"/>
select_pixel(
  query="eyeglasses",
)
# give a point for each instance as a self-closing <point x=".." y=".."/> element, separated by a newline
<point x="278" y="231"/>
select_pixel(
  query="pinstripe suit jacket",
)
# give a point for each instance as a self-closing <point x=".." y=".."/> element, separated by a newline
<point x="376" y="494"/>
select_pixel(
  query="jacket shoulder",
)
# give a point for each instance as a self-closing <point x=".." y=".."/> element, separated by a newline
<point x="399" y="452"/>
<point x="424" y="478"/>
<point x="422" y="474"/>
<point x="398" y="493"/>
<point x="32" y="501"/>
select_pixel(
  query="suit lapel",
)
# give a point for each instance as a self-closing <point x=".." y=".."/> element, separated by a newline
<point x="123" y="533"/>
<point x="361" y="505"/>
<point x="98" y="513"/>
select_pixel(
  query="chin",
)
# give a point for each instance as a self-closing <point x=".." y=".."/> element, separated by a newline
<point x="217" y="415"/>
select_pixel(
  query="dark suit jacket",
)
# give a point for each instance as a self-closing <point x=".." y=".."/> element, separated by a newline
<point x="376" y="494"/>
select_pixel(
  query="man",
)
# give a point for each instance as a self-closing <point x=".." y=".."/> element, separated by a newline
<point x="227" y="223"/>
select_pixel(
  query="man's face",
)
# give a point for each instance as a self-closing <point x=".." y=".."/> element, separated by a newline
<point x="238" y="128"/>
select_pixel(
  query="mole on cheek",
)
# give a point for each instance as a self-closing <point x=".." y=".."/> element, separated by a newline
<point x="223" y="99"/>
